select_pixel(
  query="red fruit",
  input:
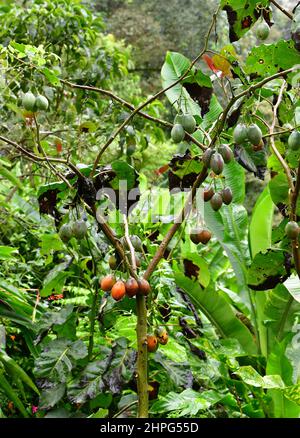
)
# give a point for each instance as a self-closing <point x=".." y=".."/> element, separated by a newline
<point x="131" y="287"/>
<point x="118" y="290"/>
<point x="144" y="287"/>
<point x="152" y="343"/>
<point x="107" y="282"/>
<point x="200" y="236"/>
<point x="208" y="193"/>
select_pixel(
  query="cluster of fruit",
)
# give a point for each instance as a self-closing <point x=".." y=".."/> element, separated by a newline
<point x="183" y="123"/>
<point x="118" y="288"/>
<point x="160" y="337"/>
<point x="292" y="230"/>
<point x="34" y="103"/>
<point x="252" y="133"/>
<point x="138" y="247"/>
<point x="77" y="229"/>
<point x="215" y="160"/>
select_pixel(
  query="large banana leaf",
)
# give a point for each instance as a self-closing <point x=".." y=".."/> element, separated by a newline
<point x="230" y="226"/>
<point x="16" y="371"/>
<point x="218" y="311"/>
<point x="11" y="394"/>
<point x="260" y="228"/>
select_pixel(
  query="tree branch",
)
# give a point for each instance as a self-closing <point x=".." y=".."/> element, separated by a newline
<point x="177" y="223"/>
<point x="132" y="108"/>
<point x="284" y="11"/>
<point x="157" y="95"/>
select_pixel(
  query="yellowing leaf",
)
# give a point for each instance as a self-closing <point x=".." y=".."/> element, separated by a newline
<point x="221" y="63"/>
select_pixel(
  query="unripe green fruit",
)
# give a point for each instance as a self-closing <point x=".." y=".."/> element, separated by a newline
<point x="79" y="229"/>
<point x="189" y="123"/>
<point x="200" y="236"/>
<point x="217" y="163"/>
<point x="263" y="31"/>
<point x="294" y="140"/>
<point x="177" y="133"/>
<point x="178" y="119"/>
<point x="66" y="232"/>
<point x="254" y="134"/>
<point x="226" y="153"/>
<point x="28" y="101"/>
<point x="240" y="133"/>
<point x="113" y="263"/>
<point x="207" y="156"/>
<point x="226" y="195"/>
<point x="41" y="103"/>
<point x="216" y="202"/>
<point x="292" y="230"/>
<point x="136" y="242"/>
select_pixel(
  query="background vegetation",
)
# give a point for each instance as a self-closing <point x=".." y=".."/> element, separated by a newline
<point x="230" y="308"/>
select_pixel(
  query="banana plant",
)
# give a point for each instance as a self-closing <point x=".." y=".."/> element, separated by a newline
<point x="12" y="378"/>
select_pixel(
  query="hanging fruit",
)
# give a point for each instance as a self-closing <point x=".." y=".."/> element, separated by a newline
<point x="240" y="133"/>
<point x="107" y="282"/>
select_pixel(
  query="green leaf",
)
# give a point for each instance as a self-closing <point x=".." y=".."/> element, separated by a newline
<point x="51" y="396"/>
<point x="235" y="179"/>
<point x="268" y="59"/>
<point x="186" y="403"/>
<point x="12" y="395"/>
<point x="11" y="177"/>
<point x="174" y="67"/>
<point x="101" y="413"/>
<point x="251" y="377"/>
<point x="218" y="311"/>
<point x="50" y="242"/>
<point x="280" y="309"/>
<point x="51" y="76"/>
<point x="261" y="223"/>
<point x="6" y="252"/>
<point x="240" y="17"/>
<point x="55" y="279"/>
<point x="58" y="359"/>
<point x="279" y="189"/>
<point x="178" y="371"/>
<point x="13" y="368"/>
<point x="108" y="374"/>
<point x="124" y="172"/>
<point x="267" y="270"/>
<point x="293" y="286"/>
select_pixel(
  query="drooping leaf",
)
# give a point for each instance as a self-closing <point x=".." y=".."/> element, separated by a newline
<point x="268" y="269"/>
<point x="261" y="223"/>
<point x="51" y="396"/>
<point x="218" y="311"/>
<point x="58" y="359"/>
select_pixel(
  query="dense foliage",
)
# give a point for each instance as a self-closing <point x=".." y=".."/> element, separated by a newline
<point x="133" y="280"/>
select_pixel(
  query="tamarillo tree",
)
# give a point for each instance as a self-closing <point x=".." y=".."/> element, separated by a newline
<point x="77" y="131"/>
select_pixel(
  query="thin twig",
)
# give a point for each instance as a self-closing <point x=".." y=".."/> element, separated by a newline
<point x="129" y="243"/>
<point x="128" y="105"/>
<point x="284" y="11"/>
<point x="272" y="141"/>
<point x="155" y="96"/>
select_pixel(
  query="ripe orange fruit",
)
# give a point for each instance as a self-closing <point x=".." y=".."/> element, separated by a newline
<point x="152" y="343"/>
<point x="107" y="282"/>
<point x="131" y="287"/>
<point x="144" y="287"/>
<point x="118" y="290"/>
